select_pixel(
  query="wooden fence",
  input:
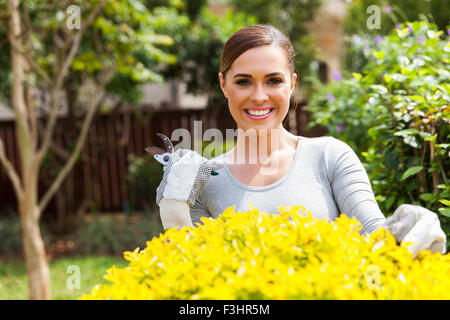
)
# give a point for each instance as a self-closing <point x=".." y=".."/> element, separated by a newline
<point x="102" y="172"/>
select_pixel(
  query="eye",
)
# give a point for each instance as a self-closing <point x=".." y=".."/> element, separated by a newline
<point x="275" y="81"/>
<point x="243" y="82"/>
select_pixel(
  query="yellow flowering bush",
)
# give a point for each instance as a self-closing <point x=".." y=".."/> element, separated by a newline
<point x="256" y="255"/>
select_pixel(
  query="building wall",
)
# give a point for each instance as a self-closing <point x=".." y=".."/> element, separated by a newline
<point x="327" y="31"/>
<point x="5" y="113"/>
<point x="172" y="93"/>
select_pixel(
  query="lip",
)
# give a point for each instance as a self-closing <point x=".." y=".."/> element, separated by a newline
<point x="257" y="108"/>
<point x="259" y="117"/>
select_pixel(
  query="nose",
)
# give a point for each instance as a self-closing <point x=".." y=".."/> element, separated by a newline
<point x="259" y="95"/>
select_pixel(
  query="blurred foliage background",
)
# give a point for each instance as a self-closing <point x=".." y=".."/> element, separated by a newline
<point x="395" y="114"/>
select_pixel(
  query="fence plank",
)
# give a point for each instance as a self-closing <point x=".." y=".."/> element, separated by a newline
<point x="104" y="166"/>
<point x="86" y="160"/>
<point x="138" y="141"/>
<point x="3" y="140"/>
<point x="122" y="165"/>
<point x="114" y="174"/>
<point x="96" y="166"/>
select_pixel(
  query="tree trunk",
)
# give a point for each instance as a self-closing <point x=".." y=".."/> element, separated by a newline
<point x="37" y="267"/>
<point x="38" y="270"/>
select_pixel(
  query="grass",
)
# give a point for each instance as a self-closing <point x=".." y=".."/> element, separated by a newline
<point x="13" y="278"/>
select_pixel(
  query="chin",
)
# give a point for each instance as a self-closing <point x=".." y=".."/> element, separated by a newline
<point x="260" y="129"/>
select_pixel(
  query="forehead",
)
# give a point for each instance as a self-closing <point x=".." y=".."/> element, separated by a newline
<point x="264" y="59"/>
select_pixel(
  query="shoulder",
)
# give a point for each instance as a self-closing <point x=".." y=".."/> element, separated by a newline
<point x="328" y="154"/>
<point x="325" y="146"/>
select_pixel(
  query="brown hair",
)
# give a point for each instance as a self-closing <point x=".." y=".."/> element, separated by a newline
<point x="251" y="37"/>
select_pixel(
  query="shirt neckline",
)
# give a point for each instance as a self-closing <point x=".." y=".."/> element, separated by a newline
<point x="270" y="186"/>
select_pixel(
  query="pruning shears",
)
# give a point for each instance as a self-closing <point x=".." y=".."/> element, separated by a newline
<point x="163" y="156"/>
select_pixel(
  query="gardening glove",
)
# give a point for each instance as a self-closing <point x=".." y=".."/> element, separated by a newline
<point x="185" y="177"/>
<point x="412" y="223"/>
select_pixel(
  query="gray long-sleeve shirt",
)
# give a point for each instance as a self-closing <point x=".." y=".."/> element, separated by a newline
<point x="325" y="176"/>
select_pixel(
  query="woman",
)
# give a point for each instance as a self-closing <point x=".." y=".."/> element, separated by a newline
<point x="276" y="167"/>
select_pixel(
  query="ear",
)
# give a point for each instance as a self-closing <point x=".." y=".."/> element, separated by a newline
<point x="222" y="84"/>
<point x="293" y="81"/>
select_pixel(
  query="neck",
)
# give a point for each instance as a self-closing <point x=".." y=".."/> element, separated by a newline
<point x="258" y="146"/>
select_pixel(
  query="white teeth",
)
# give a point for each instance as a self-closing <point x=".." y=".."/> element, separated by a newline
<point x="258" y="113"/>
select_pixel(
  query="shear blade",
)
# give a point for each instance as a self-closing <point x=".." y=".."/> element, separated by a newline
<point x="167" y="142"/>
<point x="154" y="150"/>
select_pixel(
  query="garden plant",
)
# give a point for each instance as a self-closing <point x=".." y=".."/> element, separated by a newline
<point x="291" y="255"/>
<point x="396" y="116"/>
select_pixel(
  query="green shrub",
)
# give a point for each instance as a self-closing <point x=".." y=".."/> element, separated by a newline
<point x="396" y="115"/>
<point x="393" y="13"/>
<point x="112" y="234"/>
<point x="144" y="174"/>
<point x="11" y="233"/>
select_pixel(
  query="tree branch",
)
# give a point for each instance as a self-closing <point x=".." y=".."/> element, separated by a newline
<point x="17" y="92"/>
<point x="76" y="44"/>
<point x="57" y="39"/>
<point x="11" y="172"/>
<point x="30" y="105"/>
<point x="31" y="63"/>
<point x="60" y="77"/>
<point x="50" y="125"/>
<point x="104" y="79"/>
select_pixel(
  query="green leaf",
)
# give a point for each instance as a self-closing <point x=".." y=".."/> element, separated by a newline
<point x="380" y="89"/>
<point x="445" y="212"/>
<point x="379" y="55"/>
<point x="406" y="132"/>
<point x="357" y="75"/>
<point x="410" y="172"/>
<point x="431" y="138"/>
<point x="426" y="196"/>
<point x="425" y="135"/>
<point x="389" y="201"/>
<point x="445" y="202"/>
<point x="418" y="98"/>
<point x="443" y="145"/>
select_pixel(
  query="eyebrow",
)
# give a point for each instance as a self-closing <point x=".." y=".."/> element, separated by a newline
<point x="246" y="75"/>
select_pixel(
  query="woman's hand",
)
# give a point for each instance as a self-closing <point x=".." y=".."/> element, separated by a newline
<point x="412" y="223"/>
<point x="185" y="177"/>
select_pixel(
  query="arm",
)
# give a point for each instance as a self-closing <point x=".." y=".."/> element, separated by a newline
<point x="354" y="196"/>
<point x="174" y="213"/>
<point x="198" y="211"/>
<point x="351" y="186"/>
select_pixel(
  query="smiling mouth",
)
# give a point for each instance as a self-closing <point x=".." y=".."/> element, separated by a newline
<point x="258" y="113"/>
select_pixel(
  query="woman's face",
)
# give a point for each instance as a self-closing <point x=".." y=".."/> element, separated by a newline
<point x="259" y="82"/>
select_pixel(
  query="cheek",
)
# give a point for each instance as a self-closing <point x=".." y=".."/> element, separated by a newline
<point x="282" y="96"/>
<point x="237" y="97"/>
